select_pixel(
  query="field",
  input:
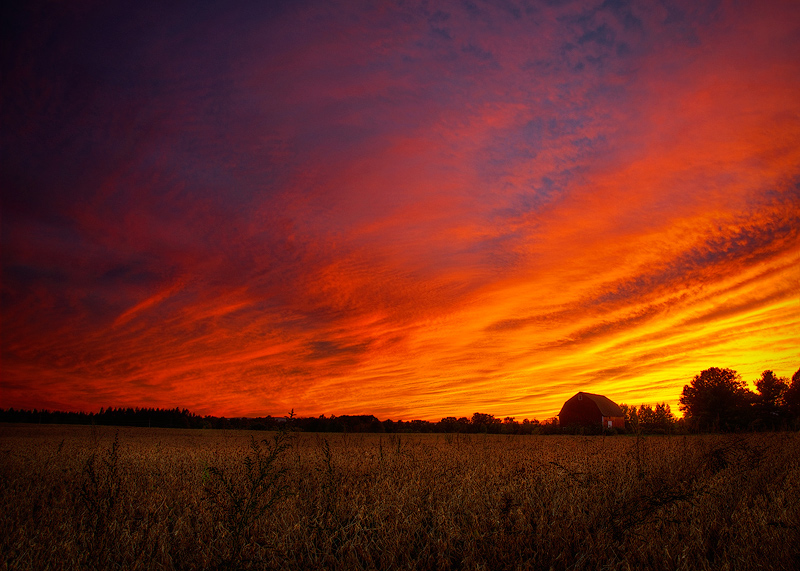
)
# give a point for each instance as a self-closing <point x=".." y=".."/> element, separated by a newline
<point x="134" y="498"/>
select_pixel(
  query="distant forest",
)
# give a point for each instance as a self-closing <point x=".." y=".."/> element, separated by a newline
<point x="716" y="400"/>
<point x="183" y="418"/>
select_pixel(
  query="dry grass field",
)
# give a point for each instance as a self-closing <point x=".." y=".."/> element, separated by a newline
<point x="76" y="497"/>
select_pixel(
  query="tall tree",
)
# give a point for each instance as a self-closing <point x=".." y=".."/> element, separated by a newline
<point x="664" y="419"/>
<point x="769" y="406"/>
<point x="716" y="399"/>
<point x="791" y="397"/>
<point x="483" y="422"/>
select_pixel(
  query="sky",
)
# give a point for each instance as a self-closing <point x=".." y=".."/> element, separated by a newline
<point x="407" y="209"/>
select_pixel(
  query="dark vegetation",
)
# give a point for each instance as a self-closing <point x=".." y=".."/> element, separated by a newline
<point x="90" y="497"/>
<point x="716" y="400"/>
<point x="182" y="418"/>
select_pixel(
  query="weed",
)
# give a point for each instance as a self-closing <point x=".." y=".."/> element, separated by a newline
<point x="241" y="500"/>
<point x="100" y="487"/>
<point x="328" y="485"/>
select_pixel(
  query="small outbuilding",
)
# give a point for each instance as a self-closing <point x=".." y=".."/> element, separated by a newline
<point x="587" y="409"/>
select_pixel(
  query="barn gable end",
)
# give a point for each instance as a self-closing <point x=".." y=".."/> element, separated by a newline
<point x="588" y="409"/>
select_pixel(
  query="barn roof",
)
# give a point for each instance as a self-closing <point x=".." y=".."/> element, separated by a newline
<point x="607" y="406"/>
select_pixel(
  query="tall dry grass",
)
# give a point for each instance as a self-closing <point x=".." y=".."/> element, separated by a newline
<point x="82" y="497"/>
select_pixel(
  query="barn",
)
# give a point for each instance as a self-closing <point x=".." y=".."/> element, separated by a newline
<point x="587" y="409"/>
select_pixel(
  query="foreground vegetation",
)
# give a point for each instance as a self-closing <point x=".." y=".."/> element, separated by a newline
<point x="136" y="498"/>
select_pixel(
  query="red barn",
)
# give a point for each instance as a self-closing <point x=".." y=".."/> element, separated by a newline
<point x="586" y="409"/>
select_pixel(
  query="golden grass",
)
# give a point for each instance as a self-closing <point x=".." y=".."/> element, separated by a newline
<point x="70" y="499"/>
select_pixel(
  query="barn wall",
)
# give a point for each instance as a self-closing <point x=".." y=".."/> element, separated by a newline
<point x="616" y="422"/>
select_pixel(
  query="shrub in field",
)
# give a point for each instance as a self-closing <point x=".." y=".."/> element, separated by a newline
<point x="239" y="500"/>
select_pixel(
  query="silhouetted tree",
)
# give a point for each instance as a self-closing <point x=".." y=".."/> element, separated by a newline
<point x="656" y="419"/>
<point x="529" y="426"/>
<point x="510" y="426"/>
<point x="769" y="406"/>
<point x="448" y="424"/>
<point x="791" y="397"/>
<point x="483" y="422"/>
<point x="626" y="411"/>
<point x="550" y="426"/>
<point x="717" y="399"/>
<point x="647" y="417"/>
<point x="631" y="416"/>
<point x="664" y="419"/>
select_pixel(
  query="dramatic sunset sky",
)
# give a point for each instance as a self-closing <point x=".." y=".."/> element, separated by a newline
<point x="407" y="209"/>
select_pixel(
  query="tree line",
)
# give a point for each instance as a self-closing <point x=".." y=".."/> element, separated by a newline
<point x="716" y="400"/>
<point x="719" y="400"/>
<point x="183" y="418"/>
